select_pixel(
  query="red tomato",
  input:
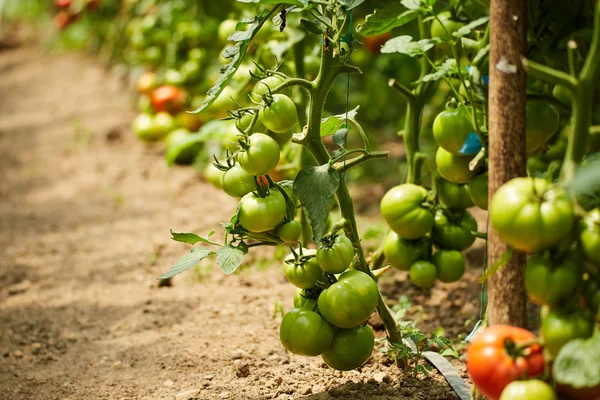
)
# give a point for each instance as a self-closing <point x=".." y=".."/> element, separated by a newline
<point x="500" y="355"/>
<point x="63" y="3"/>
<point x="374" y="43"/>
<point x="62" y="20"/>
<point x="168" y="98"/>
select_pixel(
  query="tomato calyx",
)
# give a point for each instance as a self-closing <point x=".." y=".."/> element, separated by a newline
<point x="520" y="350"/>
<point x="300" y="259"/>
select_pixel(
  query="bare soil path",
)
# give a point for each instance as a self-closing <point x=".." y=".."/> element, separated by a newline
<point x="85" y="212"/>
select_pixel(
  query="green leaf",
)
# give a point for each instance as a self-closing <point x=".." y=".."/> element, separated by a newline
<point x="578" y="365"/>
<point x="185" y="150"/>
<point x="188" y="261"/>
<point x="340" y="137"/>
<point x="411" y="4"/>
<point x="466" y="29"/>
<point x="190" y="238"/>
<point x="315" y="187"/>
<point x="315" y="27"/>
<point x="405" y="45"/>
<point x="300" y="3"/>
<point x="501" y="262"/>
<point x="350" y="4"/>
<point x="280" y="48"/>
<point x="388" y="16"/>
<point x="229" y="258"/>
<point x="448" y="68"/>
<point x="236" y="54"/>
<point x="330" y="125"/>
<point x="586" y="183"/>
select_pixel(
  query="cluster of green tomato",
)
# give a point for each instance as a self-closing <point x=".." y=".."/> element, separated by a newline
<point x="331" y="304"/>
<point x="535" y="216"/>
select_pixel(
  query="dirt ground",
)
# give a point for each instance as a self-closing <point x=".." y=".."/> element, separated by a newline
<point x="85" y="213"/>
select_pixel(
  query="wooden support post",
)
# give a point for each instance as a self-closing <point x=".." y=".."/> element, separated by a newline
<point x="507" y="300"/>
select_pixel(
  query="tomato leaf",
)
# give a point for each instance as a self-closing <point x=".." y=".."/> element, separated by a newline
<point x="315" y="27"/>
<point x="189" y="238"/>
<point x="340" y="137"/>
<point x="331" y="125"/>
<point x="501" y="262"/>
<point x="448" y="68"/>
<point x="405" y="45"/>
<point x="411" y="4"/>
<point x="300" y="3"/>
<point x="229" y="258"/>
<point x="388" y="16"/>
<point x="350" y="4"/>
<point x="468" y="28"/>
<point x="575" y="364"/>
<point x="188" y="261"/>
<point x="315" y="187"/>
<point x="184" y="150"/>
<point x="236" y="54"/>
<point x="586" y="183"/>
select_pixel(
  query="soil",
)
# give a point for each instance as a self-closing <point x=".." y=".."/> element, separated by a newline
<point x="85" y="213"/>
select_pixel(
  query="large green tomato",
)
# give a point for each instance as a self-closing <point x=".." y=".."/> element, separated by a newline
<point x="261" y="156"/>
<point x="453" y="232"/>
<point x="213" y="175"/>
<point x="451" y="128"/>
<point x="550" y="283"/>
<point x="450" y="265"/>
<point x="290" y="232"/>
<point x="267" y="84"/>
<point x="350" y="348"/>
<point x="236" y="182"/>
<point x="530" y="214"/>
<point x="302" y="299"/>
<point x="402" y="253"/>
<point x="533" y="389"/>
<point x="454" y="168"/>
<point x="403" y="210"/>
<point x="560" y="326"/>
<point x="261" y="214"/>
<point x="589" y="237"/>
<point x="562" y="94"/>
<point x="305" y="333"/>
<point x="305" y="272"/>
<point x="280" y="115"/>
<point x="244" y="123"/>
<point x="337" y="256"/>
<point x="454" y="196"/>
<point x="478" y="190"/>
<point x="437" y="29"/>
<point x="350" y="301"/>
<point x="542" y="123"/>
<point x="423" y="274"/>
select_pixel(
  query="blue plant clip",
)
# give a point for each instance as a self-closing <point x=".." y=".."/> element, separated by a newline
<point x="471" y="146"/>
<point x="486" y="80"/>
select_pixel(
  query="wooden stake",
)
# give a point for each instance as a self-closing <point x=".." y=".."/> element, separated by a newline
<point x="507" y="300"/>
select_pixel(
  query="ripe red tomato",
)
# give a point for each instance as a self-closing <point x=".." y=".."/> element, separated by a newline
<point x="495" y="359"/>
<point x="168" y="98"/>
<point x="63" y="3"/>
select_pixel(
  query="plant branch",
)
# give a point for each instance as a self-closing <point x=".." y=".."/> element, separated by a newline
<point x="547" y="74"/>
<point x="344" y="166"/>
<point x="403" y="90"/>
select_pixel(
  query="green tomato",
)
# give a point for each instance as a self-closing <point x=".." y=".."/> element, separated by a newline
<point x="550" y="283"/>
<point x="264" y="86"/>
<point x="213" y="175"/>
<point x="236" y="182"/>
<point x="174" y="77"/>
<point x="190" y="70"/>
<point x="337" y="256"/>
<point x="437" y="29"/>
<point x="454" y="196"/>
<point x="450" y="265"/>
<point x="153" y="55"/>
<point x="305" y="333"/>
<point x="451" y="128"/>
<point x="453" y="232"/>
<point x="589" y="237"/>
<point x="164" y="123"/>
<point x="226" y="28"/>
<point x="403" y="210"/>
<point x="290" y="232"/>
<point x="423" y="274"/>
<point x="280" y="115"/>
<point x="303" y="299"/>
<point x="282" y="138"/>
<point x="196" y="54"/>
<point x="244" y="123"/>
<point x="531" y="215"/>
<point x="305" y="272"/>
<point x="454" y="168"/>
<point x="350" y="301"/>
<point x="261" y="214"/>
<point x="560" y="326"/>
<point x="145" y="104"/>
<point x="145" y="129"/>
<point x="478" y="190"/>
<point x="562" y="94"/>
<point x="350" y="348"/>
<point x="261" y="156"/>
<point x="533" y="389"/>
<point x="542" y="123"/>
<point x="402" y="253"/>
